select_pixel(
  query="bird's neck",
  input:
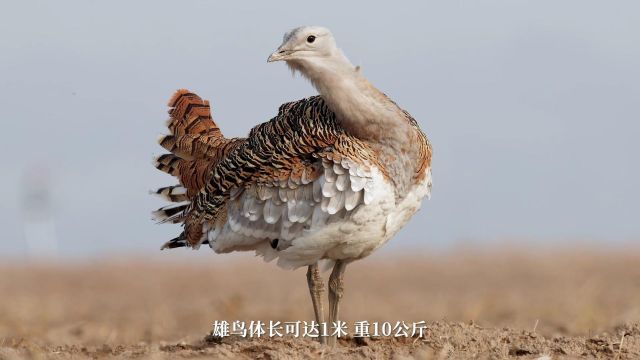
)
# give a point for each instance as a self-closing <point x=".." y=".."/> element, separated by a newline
<point x="361" y="108"/>
<point x="365" y="112"/>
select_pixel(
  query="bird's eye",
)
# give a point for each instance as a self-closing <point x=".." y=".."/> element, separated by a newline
<point x="311" y="39"/>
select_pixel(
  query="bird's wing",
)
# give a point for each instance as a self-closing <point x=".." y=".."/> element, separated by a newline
<point x="307" y="198"/>
<point x="276" y="170"/>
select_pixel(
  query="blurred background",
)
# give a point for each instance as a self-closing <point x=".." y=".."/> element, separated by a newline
<point x="531" y="107"/>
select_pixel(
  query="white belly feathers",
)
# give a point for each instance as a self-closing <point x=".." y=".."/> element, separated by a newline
<point x="346" y="213"/>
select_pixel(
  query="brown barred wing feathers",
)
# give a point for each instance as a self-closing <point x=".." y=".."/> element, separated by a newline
<point x="273" y="151"/>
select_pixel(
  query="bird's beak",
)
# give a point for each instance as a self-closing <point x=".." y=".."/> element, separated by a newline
<point x="279" y="55"/>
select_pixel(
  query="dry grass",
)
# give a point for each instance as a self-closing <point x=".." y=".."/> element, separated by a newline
<point x="124" y="308"/>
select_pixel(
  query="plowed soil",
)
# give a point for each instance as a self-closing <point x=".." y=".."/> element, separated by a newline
<point x="477" y="304"/>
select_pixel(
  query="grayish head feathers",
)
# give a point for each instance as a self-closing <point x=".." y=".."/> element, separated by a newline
<point x="312" y="51"/>
<point x="305" y="42"/>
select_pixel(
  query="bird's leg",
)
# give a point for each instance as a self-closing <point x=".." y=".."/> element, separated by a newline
<point x="335" y="294"/>
<point x="316" y="288"/>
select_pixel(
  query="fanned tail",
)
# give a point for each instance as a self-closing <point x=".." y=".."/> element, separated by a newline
<point x="170" y="214"/>
<point x="195" y="143"/>
<point x="175" y="193"/>
<point x="194" y="134"/>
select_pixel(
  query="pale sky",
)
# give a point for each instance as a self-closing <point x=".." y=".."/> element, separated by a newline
<point x="532" y="108"/>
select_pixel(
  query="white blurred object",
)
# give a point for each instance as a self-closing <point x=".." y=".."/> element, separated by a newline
<point x="39" y="224"/>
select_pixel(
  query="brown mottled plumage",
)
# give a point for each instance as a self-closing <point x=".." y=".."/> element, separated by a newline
<point x="209" y="165"/>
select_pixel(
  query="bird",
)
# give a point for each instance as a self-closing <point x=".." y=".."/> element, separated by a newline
<point x="325" y="182"/>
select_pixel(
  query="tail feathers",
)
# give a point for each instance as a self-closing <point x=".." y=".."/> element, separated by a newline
<point x="168" y="163"/>
<point x="170" y="214"/>
<point x="192" y="146"/>
<point x="170" y="142"/>
<point x="196" y="145"/>
<point x="176" y="193"/>
<point x="194" y="134"/>
<point x="192" y="174"/>
<point x="180" y="241"/>
<point x="190" y="115"/>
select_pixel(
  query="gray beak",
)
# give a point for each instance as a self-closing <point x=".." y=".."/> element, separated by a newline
<point x="278" y="55"/>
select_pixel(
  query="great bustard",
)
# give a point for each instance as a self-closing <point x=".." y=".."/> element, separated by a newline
<point x="331" y="177"/>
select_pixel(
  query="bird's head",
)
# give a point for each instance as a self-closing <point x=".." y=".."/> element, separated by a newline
<point x="305" y="43"/>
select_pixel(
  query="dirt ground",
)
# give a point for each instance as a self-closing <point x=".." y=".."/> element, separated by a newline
<point x="524" y="304"/>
